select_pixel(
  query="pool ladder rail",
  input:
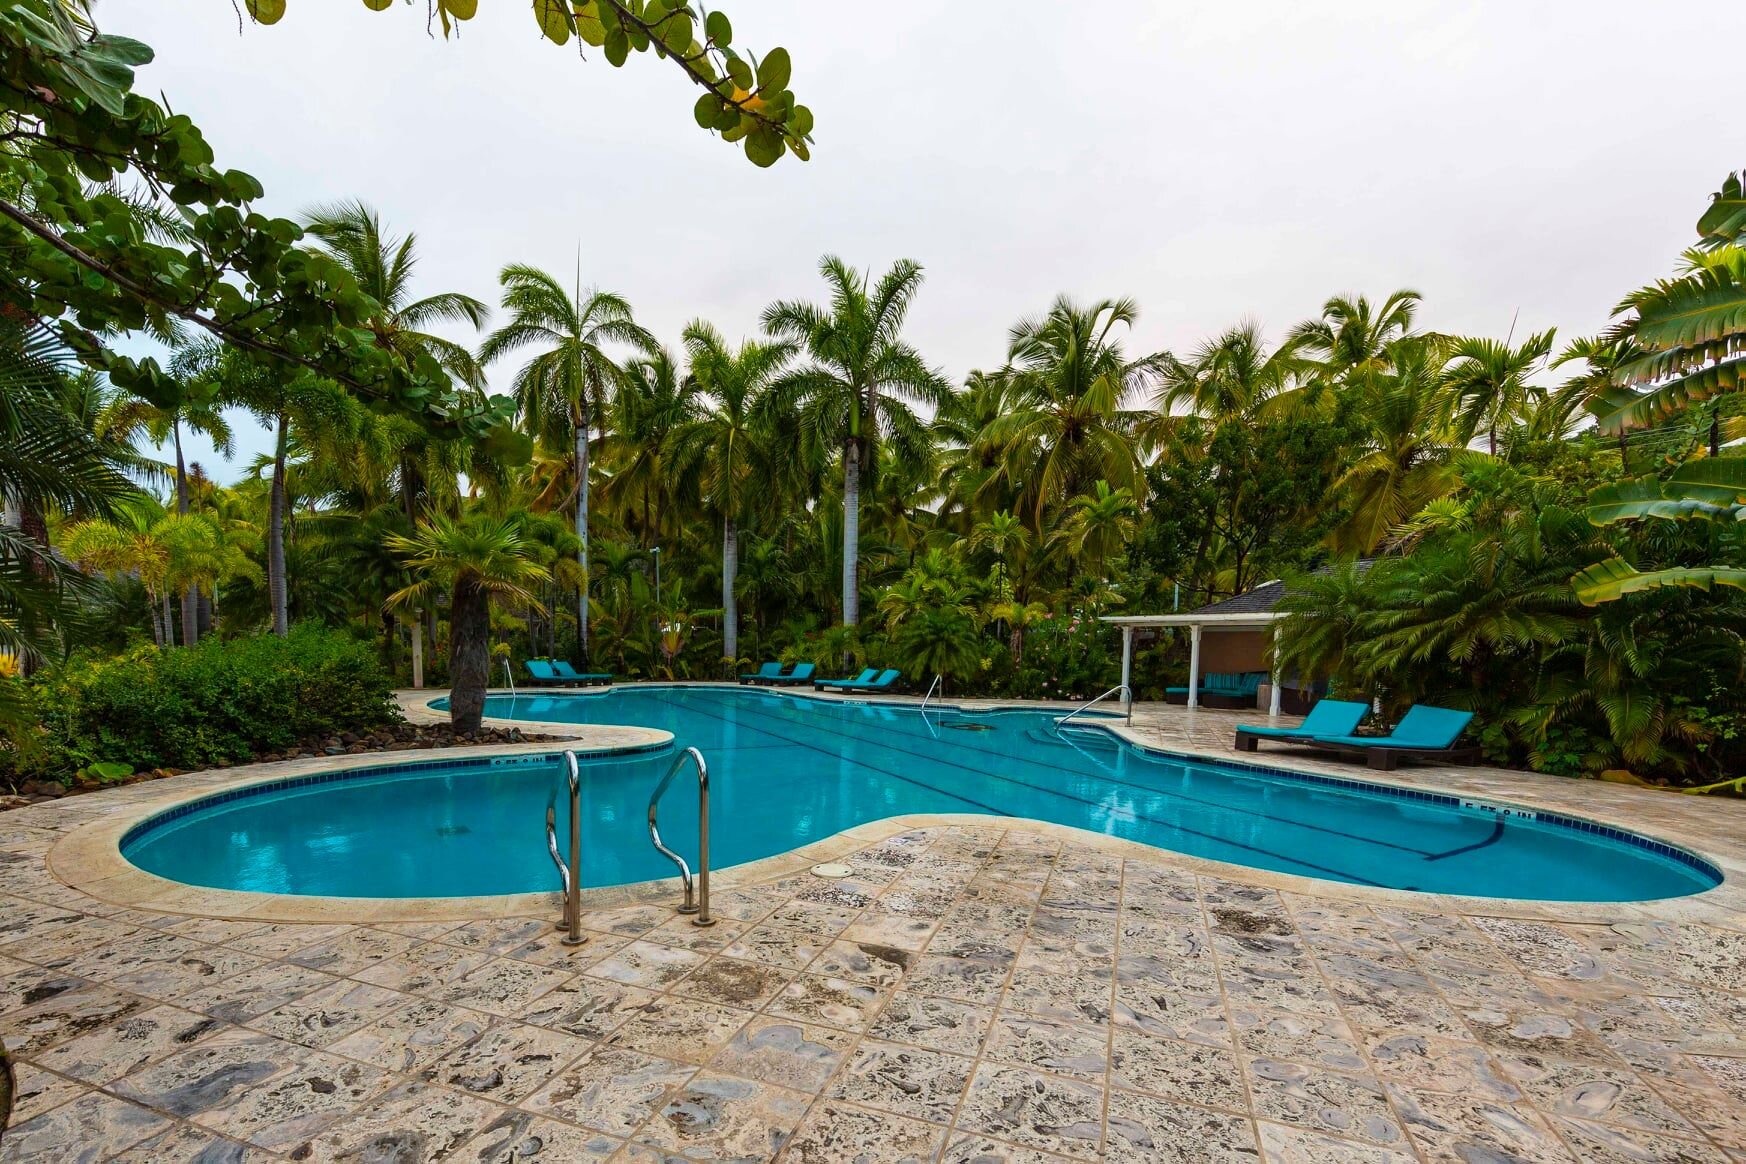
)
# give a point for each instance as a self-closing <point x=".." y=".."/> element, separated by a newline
<point x="570" y="873"/>
<point x="694" y="902"/>
<point x="1121" y="689"/>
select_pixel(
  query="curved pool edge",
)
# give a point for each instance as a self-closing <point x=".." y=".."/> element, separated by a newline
<point x="90" y="860"/>
<point x="1418" y="781"/>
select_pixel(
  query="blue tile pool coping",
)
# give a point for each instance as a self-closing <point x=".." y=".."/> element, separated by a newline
<point x="1449" y="800"/>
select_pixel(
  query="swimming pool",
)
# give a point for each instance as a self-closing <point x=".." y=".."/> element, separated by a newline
<point x="787" y="770"/>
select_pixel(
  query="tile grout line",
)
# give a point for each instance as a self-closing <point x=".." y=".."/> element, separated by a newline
<point x="1358" y="1040"/>
<point x="1238" y="1053"/>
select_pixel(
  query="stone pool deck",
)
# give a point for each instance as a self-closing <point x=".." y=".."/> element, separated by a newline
<point x="975" y="990"/>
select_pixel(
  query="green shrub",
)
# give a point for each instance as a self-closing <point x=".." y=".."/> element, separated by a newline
<point x="219" y="702"/>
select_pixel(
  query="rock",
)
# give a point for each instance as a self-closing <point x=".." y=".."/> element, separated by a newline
<point x="9" y="801"/>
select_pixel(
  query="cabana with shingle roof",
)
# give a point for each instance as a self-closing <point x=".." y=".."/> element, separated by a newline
<point x="1253" y="611"/>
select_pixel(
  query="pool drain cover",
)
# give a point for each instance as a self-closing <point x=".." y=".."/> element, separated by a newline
<point x="453" y="830"/>
<point x="971" y="727"/>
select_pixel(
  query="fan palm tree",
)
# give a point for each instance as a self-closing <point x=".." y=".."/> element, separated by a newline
<point x="1489" y="382"/>
<point x="473" y="559"/>
<point x="564" y="387"/>
<point x="856" y="390"/>
<point x="727" y="447"/>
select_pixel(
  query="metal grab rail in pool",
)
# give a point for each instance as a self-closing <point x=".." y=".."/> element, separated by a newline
<point x="570" y="874"/>
<point x="699" y="905"/>
<point x="1121" y="689"/>
<point x="932" y="687"/>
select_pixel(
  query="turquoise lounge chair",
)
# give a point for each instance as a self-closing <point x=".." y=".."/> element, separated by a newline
<point x="1425" y="733"/>
<point x="763" y="674"/>
<point x="802" y="674"/>
<point x="569" y="674"/>
<point x="867" y="675"/>
<point x="541" y="673"/>
<point x="883" y="683"/>
<point x="1330" y="717"/>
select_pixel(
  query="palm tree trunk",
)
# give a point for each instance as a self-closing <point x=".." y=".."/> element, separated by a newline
<point x="851" y="531"/>
<point x="152" y="608"/>
<point x="730" y="570"/>
<point x="469" y="655"/>
<point x="276" y="580"/>
<point x="190" y="595"/>
<point x="582" y="538"/>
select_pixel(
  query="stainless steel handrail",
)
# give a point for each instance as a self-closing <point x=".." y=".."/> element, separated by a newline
<point x="700" y="904"/>
<point x="509" y="674"/>
<point x="570" y="875"/>
<point x="1118" y="689"/>
<point x="932" y="687"/>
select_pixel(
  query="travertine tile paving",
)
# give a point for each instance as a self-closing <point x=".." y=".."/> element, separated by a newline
<point x="968" y="993"/>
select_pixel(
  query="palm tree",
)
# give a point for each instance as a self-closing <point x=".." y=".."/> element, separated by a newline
<point x="1351" y="334"/>
<point x="564" y="387"/>
<point x="383" y="266"/>
<point x="1099" y="524"/>
<point x="727" y="447"/>
<point x="473" y="559"/>
<point x="1231" y="377"/>
<point x="1409" y="456"/>
<point x="1489" y="382"/>
<point x="652" y="406"/>
<point x="1068" y="423"/>
<point x="52" y="457"/>
<point x="129" y="417"/>
<point x="1002" y="535"/>
<point x="858" y="387"/>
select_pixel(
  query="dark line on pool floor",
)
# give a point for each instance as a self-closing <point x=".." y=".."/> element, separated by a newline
<point x="1497" y="833"/>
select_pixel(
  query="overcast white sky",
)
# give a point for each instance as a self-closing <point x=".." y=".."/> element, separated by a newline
<point x="1211" y="161"/>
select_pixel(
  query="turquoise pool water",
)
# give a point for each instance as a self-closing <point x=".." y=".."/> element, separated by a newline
<point x="787" y="770"/>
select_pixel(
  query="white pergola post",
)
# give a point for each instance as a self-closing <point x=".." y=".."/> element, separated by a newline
<point x="1273" y="694"/>
<point x="1194" y="666"/>
<point x="1127" y="666"/>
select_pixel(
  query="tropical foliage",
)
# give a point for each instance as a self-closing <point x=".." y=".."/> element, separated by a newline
<point x="460" y="481"/>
